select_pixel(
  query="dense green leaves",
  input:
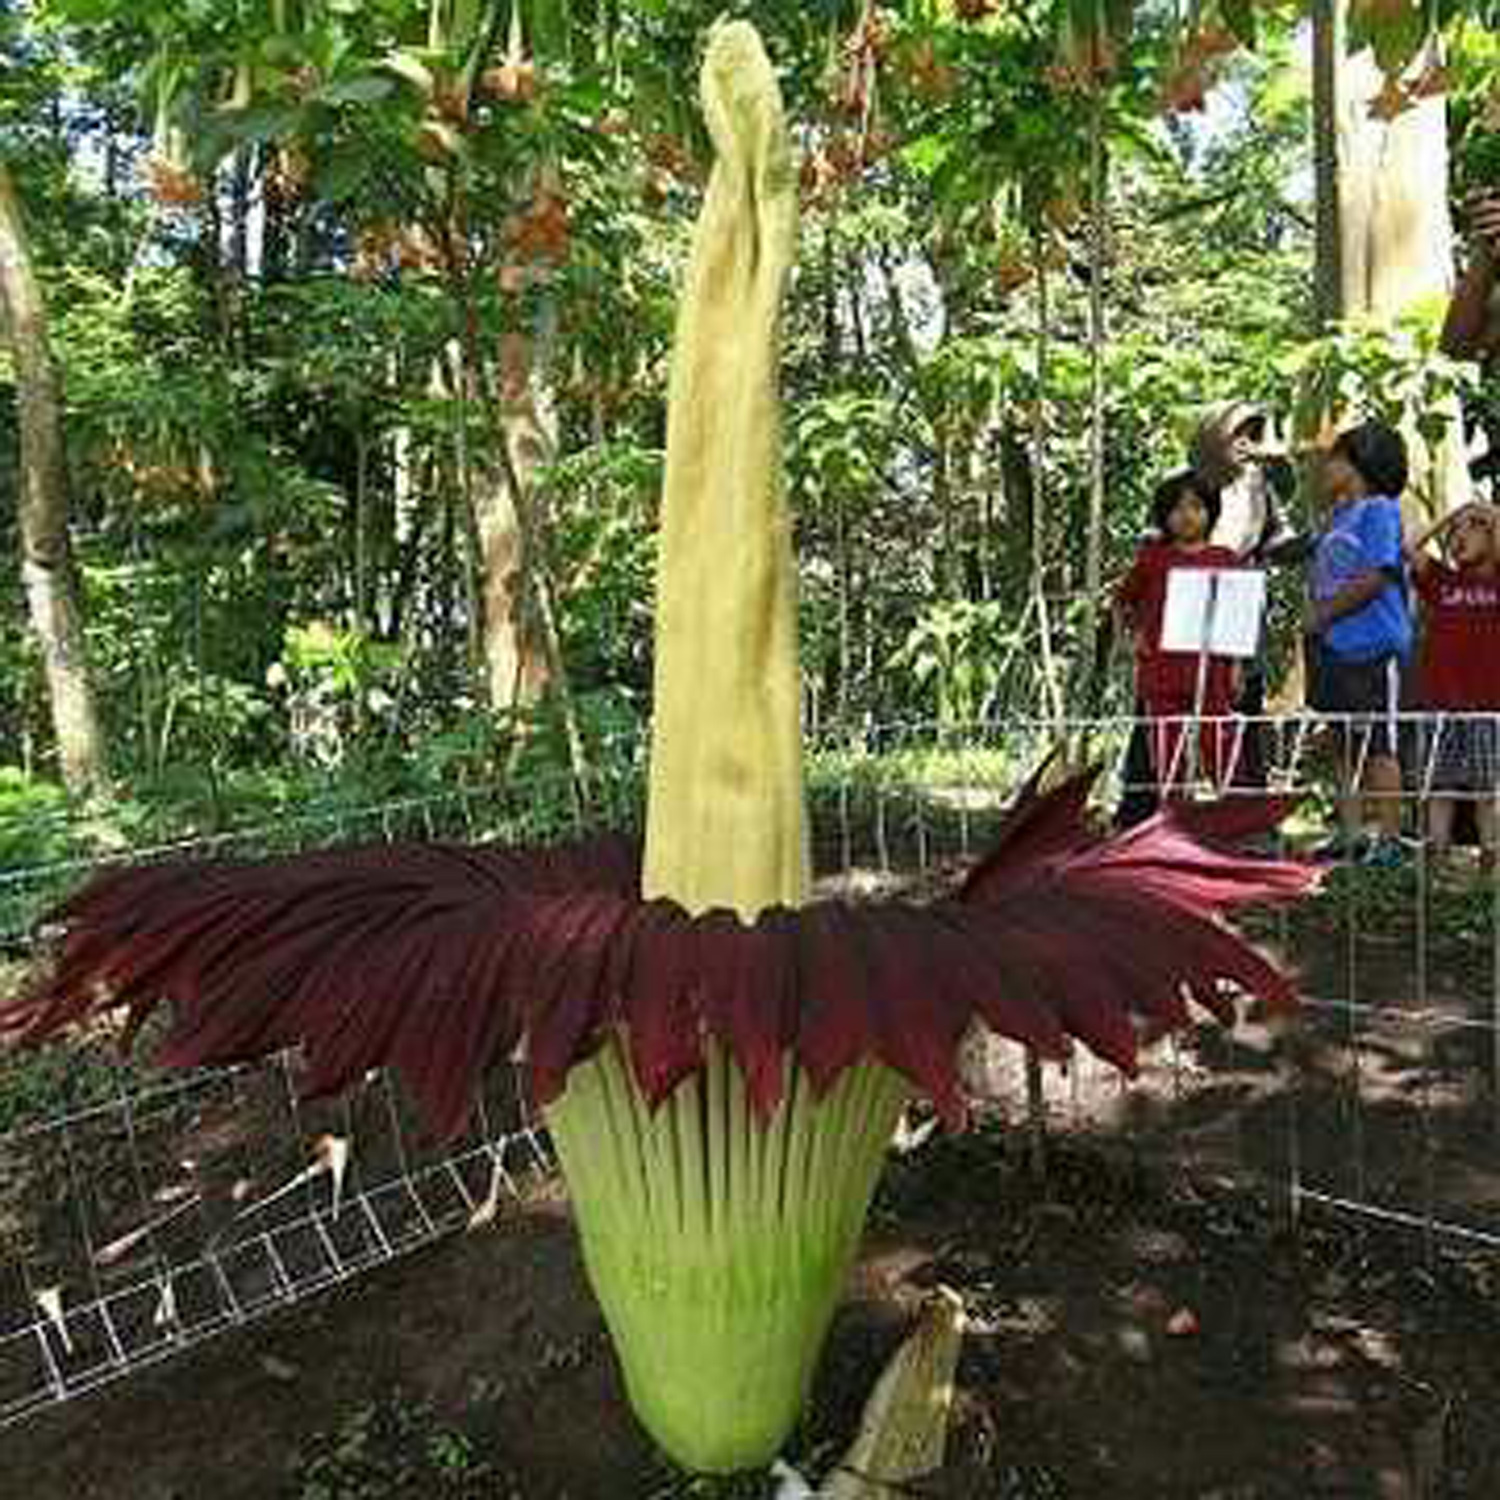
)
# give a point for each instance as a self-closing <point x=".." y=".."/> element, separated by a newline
<point x="321" y="273"/>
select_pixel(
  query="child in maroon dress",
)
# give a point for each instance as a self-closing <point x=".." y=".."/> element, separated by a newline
<point x="1184" y="510"/>
<point x="1459" y="670"/>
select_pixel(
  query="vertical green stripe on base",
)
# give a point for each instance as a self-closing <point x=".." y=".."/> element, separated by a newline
<point x="719" y="1286"/>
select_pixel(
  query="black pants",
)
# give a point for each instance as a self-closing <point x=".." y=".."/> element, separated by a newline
<point x="1138" y="800"/>
<point x="1251" y="771"/>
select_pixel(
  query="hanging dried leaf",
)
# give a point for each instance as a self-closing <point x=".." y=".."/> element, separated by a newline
<point x="172" y="185"/>
<point x="1393" y="101"/>
<point x="511" y="82"/>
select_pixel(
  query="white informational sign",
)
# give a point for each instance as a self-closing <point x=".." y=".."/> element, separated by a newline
<point x="1214" y="610"/>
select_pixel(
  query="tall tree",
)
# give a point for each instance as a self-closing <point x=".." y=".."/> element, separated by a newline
<point x="1384" y="243"/>
<point x="47" y="569"/>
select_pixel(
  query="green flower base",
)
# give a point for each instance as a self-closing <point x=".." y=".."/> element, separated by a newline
<point x="718" y="1248"/>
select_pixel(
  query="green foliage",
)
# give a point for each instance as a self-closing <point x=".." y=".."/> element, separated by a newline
<point x="603" y="549"/>
<point x="956" y="653"/>
<point x="45" y="1084"/>
<point x="290" y="366"/>
<point x="392" y="1447"/>
<point x="1474" y="123"/>
<point x="1398" y="376"/>
<point x="840" y="445"/>
<point x="29" y="815"/>
<point x="1390" y="375"/>
<point x="339" y="685"/>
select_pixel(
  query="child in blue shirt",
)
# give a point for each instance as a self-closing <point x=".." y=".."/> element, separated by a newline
<point x="1361" y="630"/>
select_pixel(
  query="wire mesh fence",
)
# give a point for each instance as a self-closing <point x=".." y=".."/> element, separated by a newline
<point x="1380" y="1101"/>
<point x="146" y="1223"/>
<point x="141" y="1212"/>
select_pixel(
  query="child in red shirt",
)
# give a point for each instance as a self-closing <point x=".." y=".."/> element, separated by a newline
<point x="1184" y="510"/>
<point x="1459" y="669"/>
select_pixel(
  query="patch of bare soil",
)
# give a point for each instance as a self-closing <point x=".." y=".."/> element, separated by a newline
<point x="1135" y="1334"/>
<point x="1140" y="1330"/>
<point x="1139" y="1334"/>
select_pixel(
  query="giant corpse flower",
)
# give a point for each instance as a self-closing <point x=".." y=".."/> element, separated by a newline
<point x="721" y="1064"/>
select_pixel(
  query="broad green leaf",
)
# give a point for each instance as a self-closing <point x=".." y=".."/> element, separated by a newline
<point x="1239" y="17"/>
<point x="363" y="90"/>
<point x="341" y="174"/>
<point x="261" y="122"/>
<point x="927" y="154"/>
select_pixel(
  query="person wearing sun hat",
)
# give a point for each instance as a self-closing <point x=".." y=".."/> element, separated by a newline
<point x="1233" y="451"/>
<point x="1229" y="452"/>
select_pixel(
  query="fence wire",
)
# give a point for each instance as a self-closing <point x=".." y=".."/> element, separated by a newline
<point x="1380" y="1101"/>
<point x="141" y="1213"/>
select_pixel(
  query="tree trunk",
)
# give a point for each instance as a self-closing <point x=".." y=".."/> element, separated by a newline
<point x="47" y="570"/>
<point x="240" y="184"/>
<point x="1328" y="49"/>
<point x="1395" y="236"/>
<point x="1385" y="238"/>
<point x="515" y="653"/>
<point x="272" y="263"/>
<point x="1093" y="577"/>
<point x="522" y="637"/>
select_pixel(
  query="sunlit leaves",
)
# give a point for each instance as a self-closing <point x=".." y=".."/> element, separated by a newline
<point x="1240" y="18"/>
<point x="1394" y="29"/>
<point x="1397" y="375"/>
<point x="366" y="88"/>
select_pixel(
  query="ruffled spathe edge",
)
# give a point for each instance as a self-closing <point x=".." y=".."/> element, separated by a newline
<point x="441" y="961"/>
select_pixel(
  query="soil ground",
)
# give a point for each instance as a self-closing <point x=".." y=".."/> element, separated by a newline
<point x="1134" y="1334"/>
<point x="1149" y="1319"/>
